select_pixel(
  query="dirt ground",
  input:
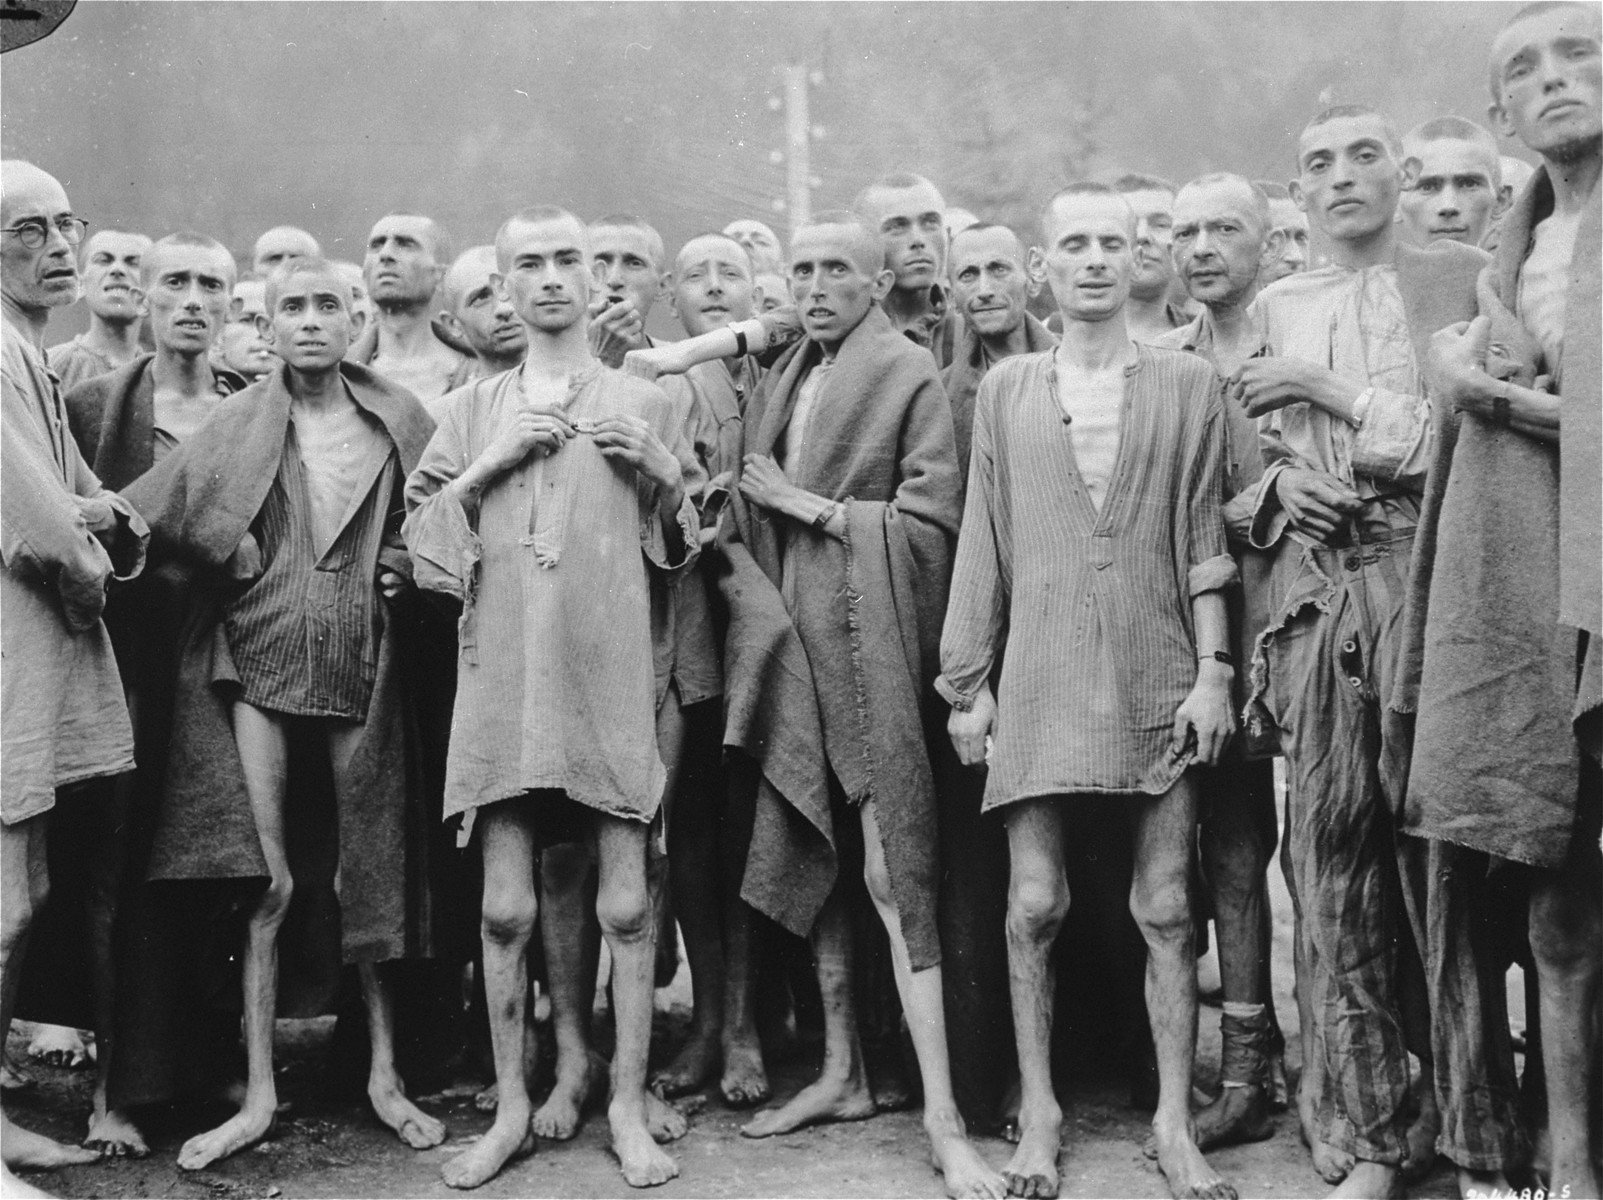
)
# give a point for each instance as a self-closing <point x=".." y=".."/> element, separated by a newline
<point x="339" y="1149"/>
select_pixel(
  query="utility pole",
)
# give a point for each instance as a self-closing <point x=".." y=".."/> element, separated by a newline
<point x="798" y="135"/>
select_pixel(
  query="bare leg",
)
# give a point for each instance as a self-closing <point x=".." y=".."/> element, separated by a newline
<point x="572" y="950"/>
<point x="510" y="906"/>
<point x="385" y="1090"/>
<point x="24" y="885"/>
<point x="1037" y="902"/>
<point x="111" y="1131"/>
<point x="841" y="1091"/>
<point x="1567" y="943"/>
<point x="745" y="1078"/>
<point x="1160" y="901"/>
<point x="263" y="755"/>
<point x="954" y="1156"/>
<point x="623" y="906"/>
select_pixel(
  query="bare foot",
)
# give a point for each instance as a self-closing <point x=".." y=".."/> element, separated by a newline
<point x="665" y="1122"/>
<point x="968" y="1176"/>
<point x="745" y="1080"/>
<point x="691" y="1067"/>
<point x="644" y="1163"/>
<point x="1482" y="1185"/>
<point x="59" y="1046"/>
<point x="115" y="1135"/>
<point x="1187" y="1172"/>
<point x="1033" y="1169"/>
<point x="1331" y="1163"/>
<point x="507" y="1139"/>
<point x="486" y="1100"/>
<point x="245" y="1128"/>
<point x="558" y="1118"/>
<point x="411" y="1124"/>
<point x="1371" y="1181"/>
<point x="1240" y="1114"/>
<point x="24" y="1150"/>
<point x="826" y="1099"/>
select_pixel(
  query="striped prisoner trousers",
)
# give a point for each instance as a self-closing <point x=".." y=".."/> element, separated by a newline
<point x="1329" y="674"/>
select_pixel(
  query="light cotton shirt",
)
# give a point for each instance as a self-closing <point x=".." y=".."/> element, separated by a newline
<point x="1354" y="323"/>
<point x="62" y="715"/>
<point x="75" y="361"/>
<point x="1095" y="605"/>
<point x="554" y="654"/>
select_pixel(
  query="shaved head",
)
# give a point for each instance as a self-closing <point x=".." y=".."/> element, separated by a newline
<point x="1341" y="112"/>
<point x="1246" y="190"/>
<point x="993" y="233"/>
<point x="470" y="267"/>
<point x="159" y="251"/>
<point x="866" y="247"/>
<point x="700" y="241"/>
<point x="281" y="243"/>
<point x="538" y="214"/>
<point x="20" y="178"/>
<point x="297" y="268"/>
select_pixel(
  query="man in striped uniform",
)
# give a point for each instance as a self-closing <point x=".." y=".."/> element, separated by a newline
<point x="286" y="500"/>
<point x="1346" y="430"/>
<point x="1118" y="670"/>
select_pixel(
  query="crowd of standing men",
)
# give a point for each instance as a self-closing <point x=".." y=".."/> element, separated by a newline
<point x="371" y="605"/>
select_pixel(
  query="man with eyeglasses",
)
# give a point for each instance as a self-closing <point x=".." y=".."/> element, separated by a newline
<point x="63" y="537"/>
<point x="110" y="274"/>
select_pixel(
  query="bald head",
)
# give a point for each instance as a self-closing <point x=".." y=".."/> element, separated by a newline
<point x="112" y="260"/>
<point x="837" y="273"/>
<point x="698" y="246"/>
<point x="539" y="214"/>
<point x="855" y="233"/>
<point x="761" y="242"/>
<point x="478" y="314"/>
<point x="473" y="265"/>
<point x="1456" y="188"/>
<point x="909" y="214"/>
<point x="991" y="285"/>
<point x="712" y="283"/>
<point x="407" y="256"/>
<point x="280" y="244"/>
<point x="36" y="278"/>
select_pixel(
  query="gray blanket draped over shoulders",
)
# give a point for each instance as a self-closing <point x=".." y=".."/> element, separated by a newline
<point x="840" y="680"/>
<point x="201" y="500"/>
<point x="1488" y="674"/>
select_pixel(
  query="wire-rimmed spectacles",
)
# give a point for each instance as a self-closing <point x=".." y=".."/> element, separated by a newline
<point x="35" y="231"/>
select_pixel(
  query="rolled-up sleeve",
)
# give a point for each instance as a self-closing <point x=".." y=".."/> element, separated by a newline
<point x="1210" y="567"/>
